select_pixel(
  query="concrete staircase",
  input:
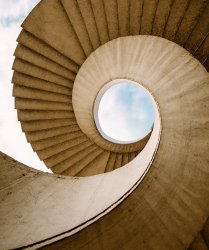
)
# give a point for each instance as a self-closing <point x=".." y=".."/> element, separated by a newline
<point x="169" y="208"/>
<point x="55" y="41"/>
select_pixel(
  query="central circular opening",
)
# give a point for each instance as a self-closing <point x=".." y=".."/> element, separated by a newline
<point x="123" y="112"/>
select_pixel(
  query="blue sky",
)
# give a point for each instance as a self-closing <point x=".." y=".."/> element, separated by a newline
<point x="12" y="140"/>
<point x="126" y="112"/>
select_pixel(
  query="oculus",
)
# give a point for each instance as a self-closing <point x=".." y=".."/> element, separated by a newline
<point x="123" y="111"/>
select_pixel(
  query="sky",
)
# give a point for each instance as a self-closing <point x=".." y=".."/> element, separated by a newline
<point x="126" y="112"/>
<point x="12" y="140"/>
<point x="131" y="120"/>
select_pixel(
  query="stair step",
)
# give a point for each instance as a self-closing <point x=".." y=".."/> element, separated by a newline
<point x="118" y="161"/>
<point x="190" y="19"/>
<point x="46" y="124"/>
<point x="131" y="156"/>
<point x="176" y="15"/>
<point x="203" y="51"/>
<point x="36" y="83"/>
<point x="110" y="162"/>
<point x="32" y="70"/>
<point x="136" y="153"/>
<point x="63" y="167"/>
<point x="96" y="166"/>
<point x="31" y="93"/>
<point x="28" y="40"/>
<point x="101" y="20"/>
<point x="149" y="7"/>
<point x="74" y="14"/>
<point x="78" y="163"/>
<point x="49" y="152"/>
<point x="123" y="17"/>
<point x="125" y="159"/>
<point x="43" y="62"/>
<point x="136" y="10"/>
<point x="31" y="115"/>
<point x="48" y="142"/>
<point x="27" y="104"/>
<point x="89" y="20"/>
<point x="70" y="153"/>
<point x="161" y="17"/>
<point x="111" y="11"/>
<point x="63" y="38"/>
<point x="47" y="133"/>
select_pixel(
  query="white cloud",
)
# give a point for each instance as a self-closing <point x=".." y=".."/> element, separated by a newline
<point x="12" y="140"/>
<point x="13" y="11"/>
<point x="125" y="112"/>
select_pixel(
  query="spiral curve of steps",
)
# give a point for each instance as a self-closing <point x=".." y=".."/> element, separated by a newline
<point x="47" y="63"/>
<point x="65" y="42"/>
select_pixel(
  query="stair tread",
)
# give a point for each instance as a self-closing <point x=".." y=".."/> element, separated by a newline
<point x="66" y="159"/>
<point x="131" y="156"/>
<point x="32" y="70"/>
<point x="45" y="124"/>
<point x="77" y="164"/>
<point x="31" y="93"/>
<point x="31" y="115"/>
<point x="73" y="12"/>
<point x="101" y="20"/>
<point x="125" y="159"/>
<point x="63" y="167"/>
<point x="136" y="10"/>
<point x="51" y="132"/>
<point x="123" y="17"/>
<point x="46" y="143"/>
<point x="199" y="33"/>
<point x="30" y="41"/>
<point x="96" y="166"/>
<point x="62" y="30"/>
<point x="37" y="83"/>
<point x="89" y="20"/>
<point x="111" y="12"/>
<point x="148" y="19"/>
<point x="161" y="16"/>
<point x="118" y="161"/>
<point x="110" y="162"/>
<point x="58" y="148"/>
<point x="31" y="104"/>
<point x="176" y="14"/>
<point x="189" y="21"/>
<point x="43" y="62"/>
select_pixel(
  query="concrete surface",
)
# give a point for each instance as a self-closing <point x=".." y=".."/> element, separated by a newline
<point x="169" y="209"/>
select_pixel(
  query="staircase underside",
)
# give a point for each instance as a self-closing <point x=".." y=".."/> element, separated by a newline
<point x="57" y="37"/>
<point x="63" y="45"/>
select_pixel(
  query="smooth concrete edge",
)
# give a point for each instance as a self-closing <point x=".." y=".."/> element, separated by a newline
<point x="96" y="109"/>
<point x="95" y="210"/>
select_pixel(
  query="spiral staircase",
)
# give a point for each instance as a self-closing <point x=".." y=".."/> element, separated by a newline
<point x="157" y="197"/>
